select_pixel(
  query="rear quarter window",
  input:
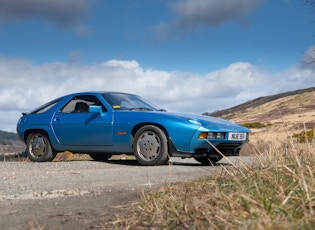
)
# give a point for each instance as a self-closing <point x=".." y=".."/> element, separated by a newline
<point x="46" y="107"/>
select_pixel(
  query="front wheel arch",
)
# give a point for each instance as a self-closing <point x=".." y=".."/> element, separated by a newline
<point x="139" y="126"/>
<point x="150" y="145"/>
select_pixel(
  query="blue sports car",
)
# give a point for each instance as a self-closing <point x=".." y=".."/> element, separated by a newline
<point x="103" y="124"/>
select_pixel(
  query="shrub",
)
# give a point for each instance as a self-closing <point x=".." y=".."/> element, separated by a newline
<point x="255" y="125"/>
<point x="304" y="136"/>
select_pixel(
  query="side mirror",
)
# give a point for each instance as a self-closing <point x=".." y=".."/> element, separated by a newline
<point x="96" y="109"/>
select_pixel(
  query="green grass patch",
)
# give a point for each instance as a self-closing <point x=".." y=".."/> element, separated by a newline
<point x="304" y="136"/>
<point x="256" y="125"/>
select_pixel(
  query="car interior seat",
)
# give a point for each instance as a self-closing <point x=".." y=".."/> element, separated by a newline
<point x="81" y="107"/>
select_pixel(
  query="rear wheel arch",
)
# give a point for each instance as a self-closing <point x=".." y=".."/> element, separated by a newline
<point x="42" y="131"/>
<point x="38" y="146"/>
<point x="30" y="131"/>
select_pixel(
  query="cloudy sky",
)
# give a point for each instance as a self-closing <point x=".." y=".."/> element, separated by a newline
<point x="183" y="55"/>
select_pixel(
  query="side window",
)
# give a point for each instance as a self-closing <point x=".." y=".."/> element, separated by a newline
<point x="80" y="104"/>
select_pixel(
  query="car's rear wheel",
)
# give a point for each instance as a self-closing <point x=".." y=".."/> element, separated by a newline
<point x="208" y="160"/>
<point x="150" y="146"/>
<point x="100" y="156"/>
<point x="38" y="148"/>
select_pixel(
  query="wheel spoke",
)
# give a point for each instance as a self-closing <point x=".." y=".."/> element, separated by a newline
<point x="149" y="145"/>
<point x="37" y="146"/>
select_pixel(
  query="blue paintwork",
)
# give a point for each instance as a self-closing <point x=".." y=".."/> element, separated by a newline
<point x="113" y="130"/>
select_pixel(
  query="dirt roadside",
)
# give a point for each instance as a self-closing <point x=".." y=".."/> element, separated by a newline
<point x="81" y="194"/>
<point x="74" y="212"/>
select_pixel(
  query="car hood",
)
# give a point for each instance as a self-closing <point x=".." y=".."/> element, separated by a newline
<point x="208" y="121"/>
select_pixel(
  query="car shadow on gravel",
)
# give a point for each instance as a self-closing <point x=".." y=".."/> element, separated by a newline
<point x="127" y="162"/>
<point x="176" y="162"/>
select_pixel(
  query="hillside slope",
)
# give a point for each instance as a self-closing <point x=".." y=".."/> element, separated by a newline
<point x="6" y="138"/>
<point x="285" y="114"/>
<point x="9" y="143"/>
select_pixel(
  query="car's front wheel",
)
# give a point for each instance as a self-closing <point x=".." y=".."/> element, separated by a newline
<point x="38" y="148"/>
<point x="208" y="160"/>
<point x="150" y="146"/>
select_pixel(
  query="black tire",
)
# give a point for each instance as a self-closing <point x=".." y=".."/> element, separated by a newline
<point x="38" y="148"/>
<point x="100" y="156"/>
<point x="150" y="146"/>
<point x="208" y="160"/>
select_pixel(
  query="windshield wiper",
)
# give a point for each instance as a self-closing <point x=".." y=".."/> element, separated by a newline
<point x="161" y="110"/>
<point x="141" y="108"/>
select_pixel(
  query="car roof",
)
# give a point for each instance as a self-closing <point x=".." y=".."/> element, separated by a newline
<point x="95" y="92"/>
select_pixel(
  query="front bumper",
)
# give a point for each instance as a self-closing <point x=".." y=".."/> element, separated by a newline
<point x="208" y="149"/>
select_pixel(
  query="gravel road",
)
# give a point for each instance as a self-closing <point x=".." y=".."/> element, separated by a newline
<point x="81" y="194"/>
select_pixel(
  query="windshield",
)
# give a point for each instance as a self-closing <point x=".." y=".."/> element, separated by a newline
<point x="124" y="101"/>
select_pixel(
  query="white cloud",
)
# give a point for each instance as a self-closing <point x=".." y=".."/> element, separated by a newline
<point x="24" y="86"/>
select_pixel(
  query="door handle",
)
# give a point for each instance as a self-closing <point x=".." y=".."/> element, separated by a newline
<point x="57" y="119"/>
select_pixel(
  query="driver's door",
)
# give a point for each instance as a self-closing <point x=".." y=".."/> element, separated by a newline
<point x="74" y="125"/>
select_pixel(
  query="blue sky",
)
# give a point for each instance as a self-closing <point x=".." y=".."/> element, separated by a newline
<point x="184" y="55"/>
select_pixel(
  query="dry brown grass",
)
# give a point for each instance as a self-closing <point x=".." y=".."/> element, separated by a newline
<point x="284" y="116"/>
<point x="69" y="156"/>
<point x="276" y="192"/>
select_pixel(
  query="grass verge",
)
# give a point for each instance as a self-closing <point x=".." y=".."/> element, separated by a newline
<point x="277" y="191"/>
